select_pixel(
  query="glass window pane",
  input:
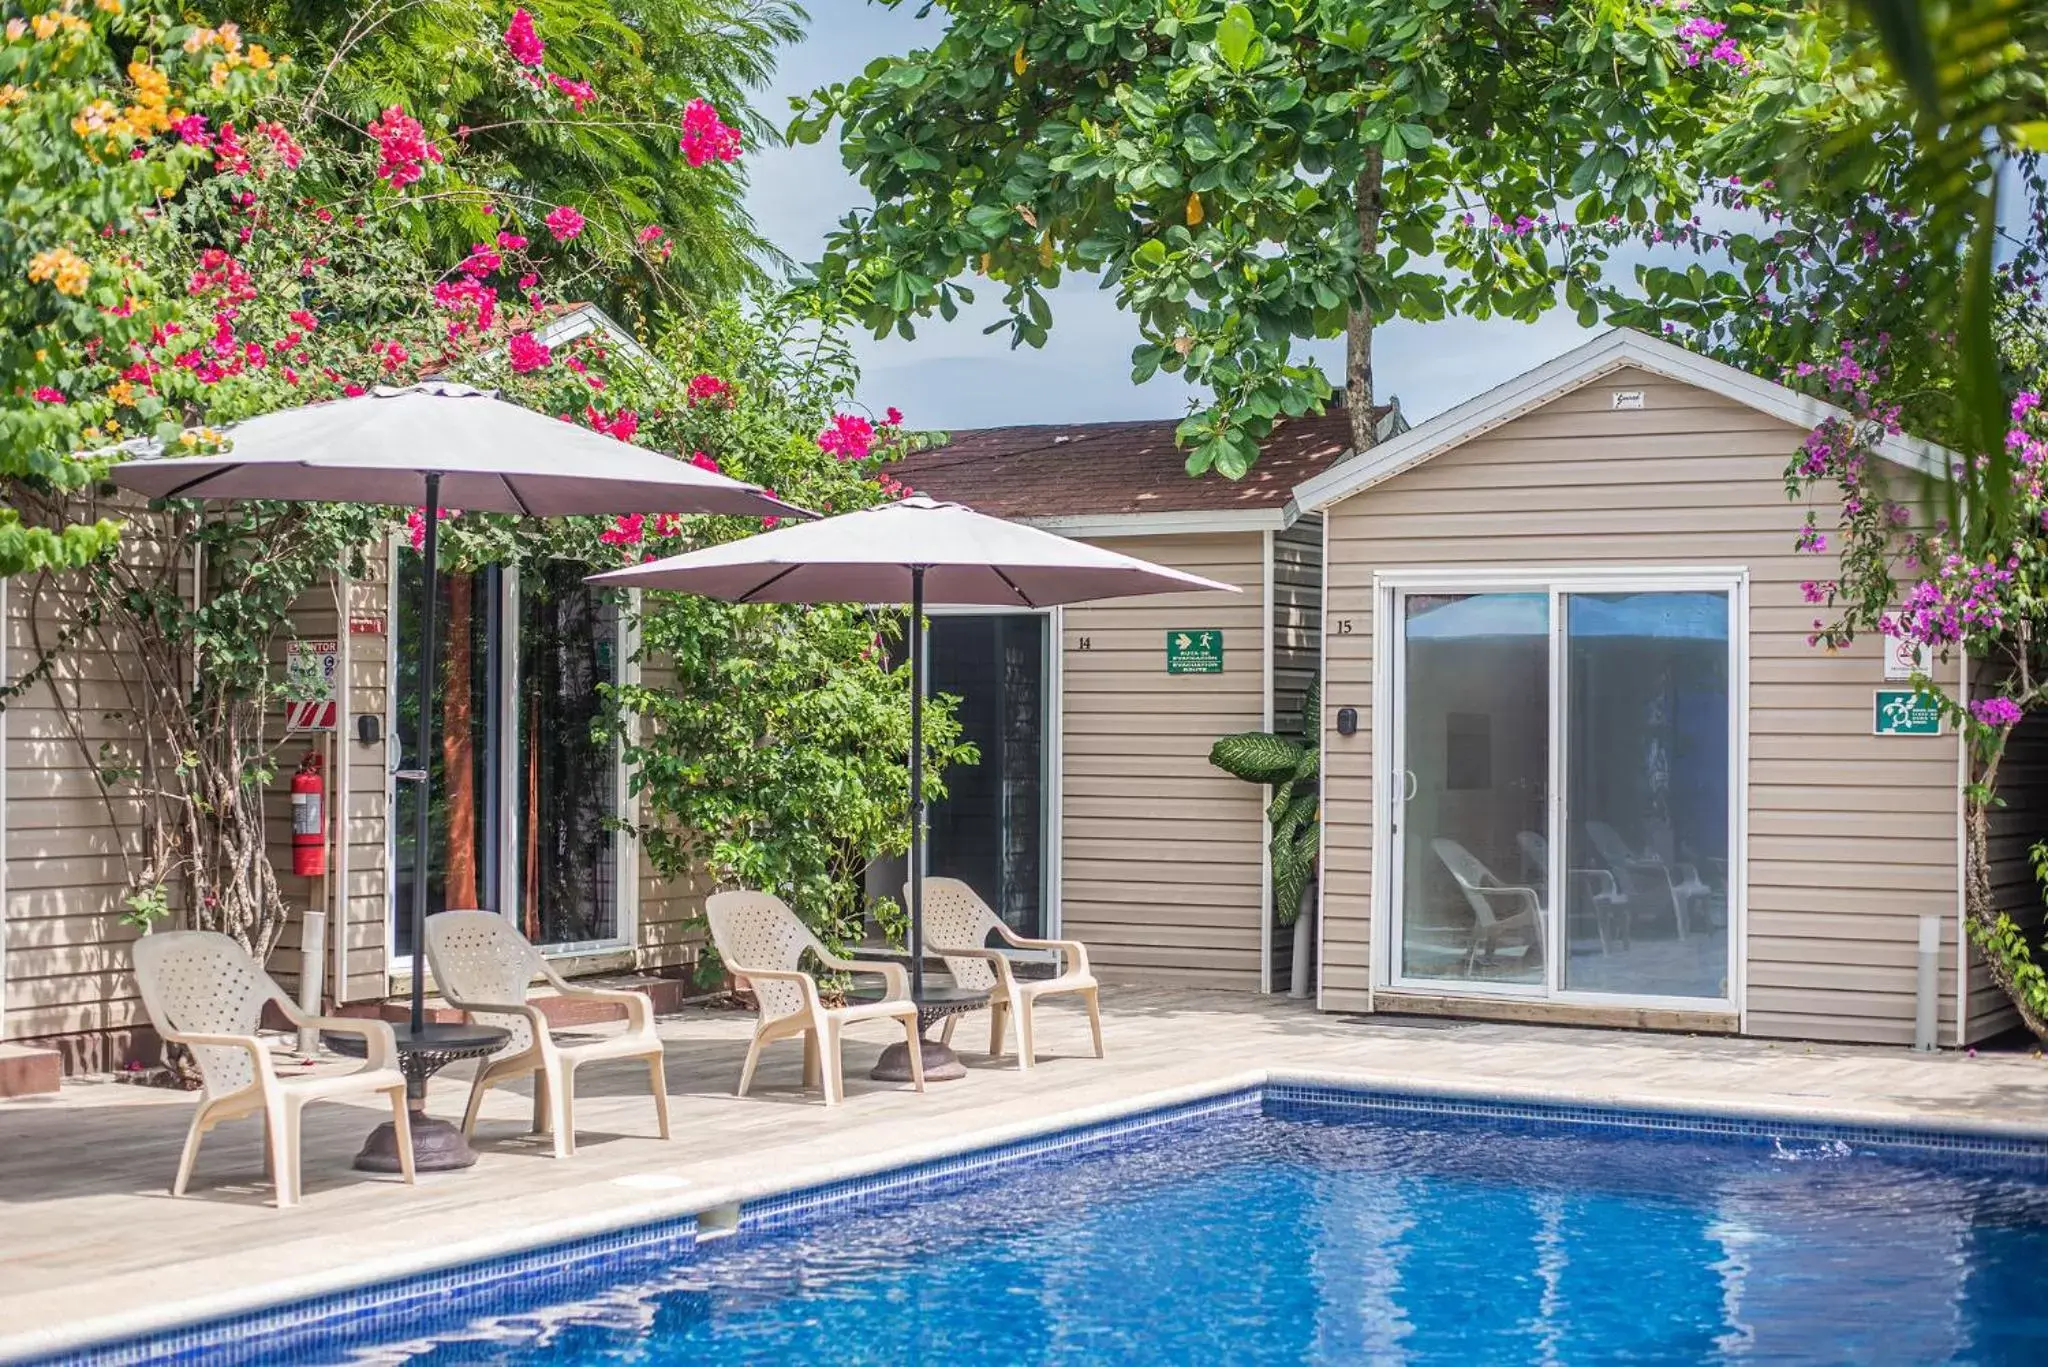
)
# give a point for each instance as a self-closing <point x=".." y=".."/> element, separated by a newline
<point x="1476" y="737"/>
<point x="1647" y="794"/>
<point x="989" y="830"/>
<point x="463" y="764"/>
<point x="566" y="861"/>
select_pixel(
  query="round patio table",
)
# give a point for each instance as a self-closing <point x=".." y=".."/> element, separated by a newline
<point x="941" y="1064"/>
<point x="437" y="1146"/>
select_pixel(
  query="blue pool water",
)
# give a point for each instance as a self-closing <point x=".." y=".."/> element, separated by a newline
<point x="1298" y="1237"/>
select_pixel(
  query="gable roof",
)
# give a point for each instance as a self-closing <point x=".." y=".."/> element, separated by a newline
<point x="1104" y="477"/>
<point x="1613" y="350"/>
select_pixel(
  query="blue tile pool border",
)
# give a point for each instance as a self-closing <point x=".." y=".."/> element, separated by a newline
<point x="424" y="1304"/>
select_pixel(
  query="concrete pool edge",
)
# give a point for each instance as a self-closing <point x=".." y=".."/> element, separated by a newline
<point x="670" y="1222"/>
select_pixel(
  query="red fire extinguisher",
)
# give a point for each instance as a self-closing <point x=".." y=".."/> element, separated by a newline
<point x="309" y="818"/>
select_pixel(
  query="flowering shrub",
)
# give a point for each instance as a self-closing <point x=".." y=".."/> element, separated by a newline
<point x="706" y="136"/>
<point x="1972" y="584"/>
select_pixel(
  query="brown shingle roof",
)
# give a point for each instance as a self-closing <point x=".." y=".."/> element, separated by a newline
<point x="1115" y="468"/>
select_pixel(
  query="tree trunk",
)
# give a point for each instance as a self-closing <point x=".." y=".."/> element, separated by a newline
<point x="1358" y="395"/>
<point x="1981" y="905"/>
<point x="458" y="752"/>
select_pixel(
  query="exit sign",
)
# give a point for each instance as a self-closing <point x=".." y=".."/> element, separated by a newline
<point x="1194" y="651"/>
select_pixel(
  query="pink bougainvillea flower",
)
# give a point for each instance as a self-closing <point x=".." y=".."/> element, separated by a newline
<point x="230" y="158"/>
<point x="621" y="425"/>
<point x="565" y="223"/>
<point x="667" y="524"/>
<point x="704" y="462"/>
<point x="705" y="387"/>
<point x="1996" y="711"/>
<point x="282" y="143"/>
<point x="192" y="130"/>
<point x="706" y="137"/>
<point x="768" y="524"/>
<point x="628" y="530"/>
<point x="511" y="242"/>
<point x="850" y="437"/>
<point x="482" y="260"/>
<point x="403" y="148"/>
<point x="529" y="354"/>
<point x="416" y="521"/>
<point x="580" y="93"/>
<point x="520" y="39"/>
<point x="45" y="394"/>
<point x="893" y="417"/>
<point x="650" y="233"/>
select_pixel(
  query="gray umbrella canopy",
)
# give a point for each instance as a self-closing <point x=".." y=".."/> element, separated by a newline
<point x="490" y="456"/>
<point x="443" y="445"/>
<point x="962" y="557"/>
<point x="914" y="551"/>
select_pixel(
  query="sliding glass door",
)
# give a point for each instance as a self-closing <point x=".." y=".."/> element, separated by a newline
<point x="526" y="788"/>
<point x="1560" y="802"/>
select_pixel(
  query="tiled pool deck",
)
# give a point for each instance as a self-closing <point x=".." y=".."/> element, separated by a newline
<point x="92" y="1247"/>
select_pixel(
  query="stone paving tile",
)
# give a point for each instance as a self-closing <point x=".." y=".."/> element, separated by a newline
<point x="89" y="1235"/>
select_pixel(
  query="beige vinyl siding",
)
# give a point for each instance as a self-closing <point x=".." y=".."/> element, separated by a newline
<point x="369" y="791"/>
<point x="1851" y="837"/>
<point x="671" y="930"/>
<point x="2015" y="827"/>
<point x="73" y="845"/>
<point x="1161" y="852"/>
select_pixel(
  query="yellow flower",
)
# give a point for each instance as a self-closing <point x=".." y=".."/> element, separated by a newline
<point x="10" y="94"/>
<point x="52" y="22"/>
<point x="229" y="36"/>
<point x="63" y="268"/>
<point x="152" y="87"/>
<point x="258" y="57"/>
<point x="122" y="392"/>
<point x="108" y="6"/>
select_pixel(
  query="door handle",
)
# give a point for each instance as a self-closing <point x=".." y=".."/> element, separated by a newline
<point x="1414" y="786"/>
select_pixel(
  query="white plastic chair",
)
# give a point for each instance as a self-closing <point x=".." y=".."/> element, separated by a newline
<point x="1610" y="908"/>
<point x="957" y="924"/>
<point x="202" y="990"/>
<point x="1523" y="914"/>
<point x="484" y="966"/>
<point x="1680" y="882"/>
<point x="762" y="941"/>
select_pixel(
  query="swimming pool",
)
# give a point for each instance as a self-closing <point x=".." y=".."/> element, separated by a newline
<point x="1307" y="1225"/>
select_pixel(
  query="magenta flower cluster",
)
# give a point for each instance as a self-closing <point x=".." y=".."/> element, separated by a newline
<point x="1961" y="599"/>
<point x="1996" y="711"/>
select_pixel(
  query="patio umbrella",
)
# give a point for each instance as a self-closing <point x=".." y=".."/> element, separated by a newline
<point x="432" y="445"/>
<point x="914" y="551"/>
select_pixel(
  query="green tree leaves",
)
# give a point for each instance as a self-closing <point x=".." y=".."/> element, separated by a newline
<point x="1207" y="162"/>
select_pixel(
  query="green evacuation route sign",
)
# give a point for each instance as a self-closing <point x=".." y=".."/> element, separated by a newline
<point x="1194" y="652"/>
<point x="1902" y="712"/>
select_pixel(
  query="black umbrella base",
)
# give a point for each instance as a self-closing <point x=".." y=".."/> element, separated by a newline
<point x="941" y="1064"/>
<point x="437" y="1146"/>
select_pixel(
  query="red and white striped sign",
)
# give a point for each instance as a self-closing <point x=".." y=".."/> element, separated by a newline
<point x="310" y="716"/>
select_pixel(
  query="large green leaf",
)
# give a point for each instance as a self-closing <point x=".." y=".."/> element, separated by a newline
<point x="1257" y="757"/>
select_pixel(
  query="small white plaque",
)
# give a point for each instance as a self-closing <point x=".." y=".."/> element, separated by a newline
<point x="1627" y="398"/>
<point x="1903" y="658"/>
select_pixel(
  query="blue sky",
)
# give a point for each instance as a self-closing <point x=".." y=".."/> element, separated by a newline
<point x="952" y="377"/>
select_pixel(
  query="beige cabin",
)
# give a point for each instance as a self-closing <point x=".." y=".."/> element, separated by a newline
<point x="1095" y="812"/>
<point x="1581" y="763"/>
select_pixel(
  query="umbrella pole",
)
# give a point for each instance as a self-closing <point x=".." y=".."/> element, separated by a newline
<point x="917" y="782"/>
<point x="424" y="686"/>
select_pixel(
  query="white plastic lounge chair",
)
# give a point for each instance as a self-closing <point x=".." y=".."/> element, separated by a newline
<point x="1610" y="908"/>
<point x="202" y="990"/>
<point x="762" y="941"/>
<point x="1680" y="882"/>
<point x="957" y="924"/>
<point x="484" y="966"/>
<point x="1517" y="918"/>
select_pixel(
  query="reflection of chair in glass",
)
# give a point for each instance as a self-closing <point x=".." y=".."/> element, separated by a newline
<point x="1518" y="918"/>
<point x="1648" y="871"/>
<point x="1610" y="908"/>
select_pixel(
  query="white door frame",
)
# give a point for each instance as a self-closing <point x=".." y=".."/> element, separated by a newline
<point x="1389" y="588"/>
<point x="625" y="849"/>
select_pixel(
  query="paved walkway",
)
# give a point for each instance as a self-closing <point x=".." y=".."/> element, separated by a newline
<point x="91" y="1246"/>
